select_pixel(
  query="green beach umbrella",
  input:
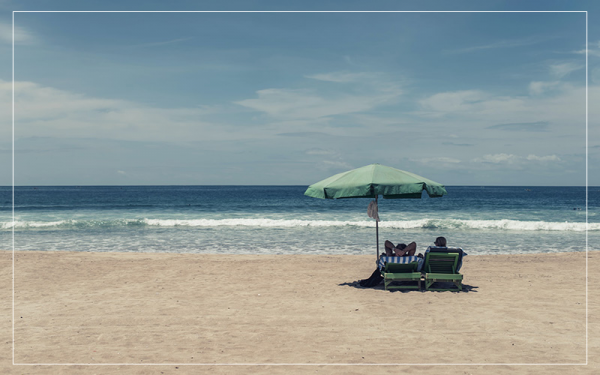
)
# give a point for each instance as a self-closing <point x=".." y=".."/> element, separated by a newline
<point x="372" y="181"/>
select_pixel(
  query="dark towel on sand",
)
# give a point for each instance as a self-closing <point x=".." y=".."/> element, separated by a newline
<point x="372" y="281"/>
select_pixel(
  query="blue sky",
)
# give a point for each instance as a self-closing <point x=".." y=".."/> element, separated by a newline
<point x="291" y="98"/>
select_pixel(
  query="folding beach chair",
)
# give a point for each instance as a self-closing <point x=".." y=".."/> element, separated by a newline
<point x="441" y="267"/>
<point x="401" y="272"/>
<point x="448" y="250"/>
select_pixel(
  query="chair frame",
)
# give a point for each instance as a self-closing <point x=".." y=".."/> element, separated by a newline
<point x="402" y="272"/>
<point x="441" y="267"/>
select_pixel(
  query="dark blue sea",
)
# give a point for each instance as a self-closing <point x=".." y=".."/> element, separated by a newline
<point x="281" y="220"/>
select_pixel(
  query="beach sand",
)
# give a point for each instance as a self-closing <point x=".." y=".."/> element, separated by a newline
<point x="182" y="309"/>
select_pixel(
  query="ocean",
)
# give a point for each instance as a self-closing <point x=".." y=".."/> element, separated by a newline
<point x="281" y="220"/>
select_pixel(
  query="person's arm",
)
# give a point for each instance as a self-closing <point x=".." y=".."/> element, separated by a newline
<point x="407" y="250"/>
<point x="411" y="248"/>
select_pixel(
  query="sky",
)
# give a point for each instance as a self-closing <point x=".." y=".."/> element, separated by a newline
<point x="291" y="98"/>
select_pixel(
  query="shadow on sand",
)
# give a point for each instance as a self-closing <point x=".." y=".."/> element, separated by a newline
<point x="465" y="288"/>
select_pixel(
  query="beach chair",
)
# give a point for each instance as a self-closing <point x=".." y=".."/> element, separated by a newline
<point x="441" y="267"/>
<point x="401" y="272"/>
<point x="448" y="250"/>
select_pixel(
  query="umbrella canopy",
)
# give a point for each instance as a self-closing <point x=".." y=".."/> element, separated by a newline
<point x="372" y="181"/>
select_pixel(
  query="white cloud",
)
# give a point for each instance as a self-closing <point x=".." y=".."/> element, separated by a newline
<point x="543" y="158"/>
<point x="563" y="69"/>
<point x="475" y="109"/>
<point x="468" y="102"/>
<point x="172" y="41"/>
<point x="348" y="60"/>
<point x="512" y="159"/>
<point x="591" y="51"/>
<point x="47" y="111"/>
<point x="319" y="151"/>
<point x="22" y="36"/>
<point x="505" y="44"/>
<point x="371" y="90"/>
<point x="595" y="74"/>
<point x="436" y="160"/>
<point x="538" y="126"/>
<point x="453" y="101"/>
<point x="538" y="88"/>
<point x="306" y="104"/>
<point x="497" y="159"/>
<point x="469" y="114"/>
<point x="339" y="77"/>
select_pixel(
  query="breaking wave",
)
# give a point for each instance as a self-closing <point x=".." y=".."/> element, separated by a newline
<point x="456" y="224"/>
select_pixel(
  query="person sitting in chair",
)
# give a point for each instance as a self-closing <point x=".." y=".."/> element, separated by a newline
<point x="440" y="242"/>
<point x="400" y="249"/>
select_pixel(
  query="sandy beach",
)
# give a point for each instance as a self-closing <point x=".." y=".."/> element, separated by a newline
<point x="255" y="310"/>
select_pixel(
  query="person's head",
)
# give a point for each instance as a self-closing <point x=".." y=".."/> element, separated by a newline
<point x="401" y="246"/>
<point x="440" y="241"/>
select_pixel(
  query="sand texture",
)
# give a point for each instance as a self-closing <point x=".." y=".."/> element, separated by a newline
<point x="252" y="310"/>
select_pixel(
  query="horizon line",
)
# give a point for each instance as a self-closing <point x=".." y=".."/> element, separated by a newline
<point x="282" y="185"/>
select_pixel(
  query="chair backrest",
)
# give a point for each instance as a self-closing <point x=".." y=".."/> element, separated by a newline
<point x="443" y="249"/>
<point x="401" y="268"/>
<point x="440" y="262"/>
<point x="448" y="250"/>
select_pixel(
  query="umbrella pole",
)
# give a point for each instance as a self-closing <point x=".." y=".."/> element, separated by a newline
<point x="377" y="230"/>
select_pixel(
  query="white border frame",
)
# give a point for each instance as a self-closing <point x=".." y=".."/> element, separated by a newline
<point x="304" y="364"/>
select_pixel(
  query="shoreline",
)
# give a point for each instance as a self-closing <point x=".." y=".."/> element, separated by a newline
<point x="468" y="254"/>
<point x="87" y="307"/>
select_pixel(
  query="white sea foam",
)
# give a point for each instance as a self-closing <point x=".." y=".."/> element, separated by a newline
<point x="265" y="223"/>
<point x="31" y="224"/>
<point x="457" y="224"/>
<point x="413" y="224"/>
<point x="70" y="224"/>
